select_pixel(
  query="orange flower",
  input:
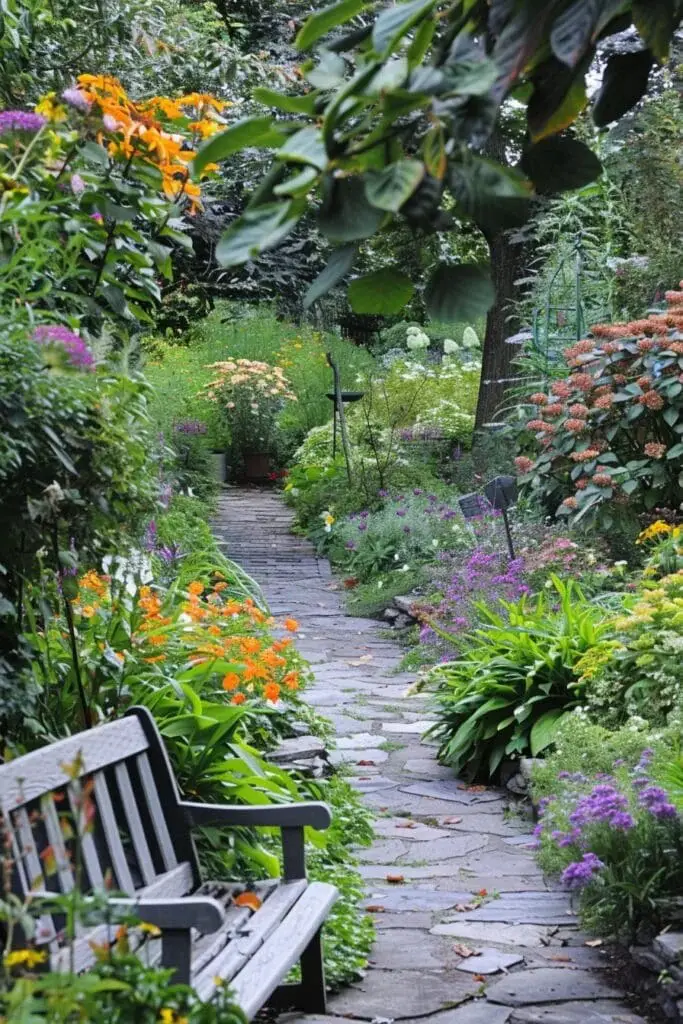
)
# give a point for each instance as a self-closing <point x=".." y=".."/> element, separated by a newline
<point x="214" y="630"/>
<point x="239" y="698"/>
<point x="219" y="586"/>
<point x="282" y="645"/>
<point x="196" y="587"/>
<point x="291" y="625"/>
<point x="254" y="671"/>
<point x="231" y="681"/>
<point x="250" y="645"/>
<point x="270" y="658"/>
<point x="153" y="660"/>
<point x="157" y="640"/>
<point x="271" y="691"/>
<point x="232" y="608"/>
<point x="291" y="680"/>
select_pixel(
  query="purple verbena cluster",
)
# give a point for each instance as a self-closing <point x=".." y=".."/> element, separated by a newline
<point x="64" y="341"/>
<point x="20" y="121"/>
<point x="190" y="427"/>
<point x="581" y="872"/>
<point x="606" y="804"/>
<point x="656" y="801"/>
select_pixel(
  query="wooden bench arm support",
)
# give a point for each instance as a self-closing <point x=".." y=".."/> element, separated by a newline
<point x="200" y="912"/>
<point x="317" y="815"/>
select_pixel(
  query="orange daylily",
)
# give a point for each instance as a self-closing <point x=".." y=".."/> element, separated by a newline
<point x="231" y="681"/>
<point x="271" y="691"/>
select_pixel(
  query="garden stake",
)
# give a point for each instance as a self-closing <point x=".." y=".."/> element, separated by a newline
<point x="339" y="410"/>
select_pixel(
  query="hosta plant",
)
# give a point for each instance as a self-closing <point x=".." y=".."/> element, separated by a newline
<point x="609" y="438"/>
<point x="515" y="679"/>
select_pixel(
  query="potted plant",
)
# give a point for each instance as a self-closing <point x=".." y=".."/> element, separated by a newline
<point x="250" y="394"/>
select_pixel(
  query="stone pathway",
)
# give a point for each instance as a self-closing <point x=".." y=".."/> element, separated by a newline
<point x="468" y="932"/>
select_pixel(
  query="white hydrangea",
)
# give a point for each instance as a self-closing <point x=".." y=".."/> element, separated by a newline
<point x="450" y="347"/>
<point x="416" y="339"/>
<point x="470" y="339"/>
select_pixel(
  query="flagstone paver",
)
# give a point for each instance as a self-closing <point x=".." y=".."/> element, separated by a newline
<point x="462" y="841"/>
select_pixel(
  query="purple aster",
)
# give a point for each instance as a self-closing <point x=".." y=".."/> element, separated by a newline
<point x="581" y="872"/>
<point x="656" y="801"/>
<point x="417" y="491"/>
<point x="382" y="493"/>
<point x="400" y="512"/>
<point x="362" y="527"/>
<point x="170" y="553"/>
<point x="190" y="427"/>
<point x="77" y="99"/>
<point x="57" y="338"/>
<point x="20" y="121"/>
<point x="350" y="546"/>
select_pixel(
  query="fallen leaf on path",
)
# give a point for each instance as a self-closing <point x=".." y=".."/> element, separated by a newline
<point x="483" y="892"/>
<point x="476" y="789"/>
<point x="248" y="899"/>
<point x="366" y="764"/>
<point x="407" y="824"/>
<point x="465" y="951"/>
<point x="463" y="907"/>
<point x="395" y="879"/>
<point x="593" y="943"/>
<point x="363" y="660"/>
<point x="478" y="977"/>
<point x="375" y="908"/>
<point x="452" y="821"/>
<point x="560" y="959"/>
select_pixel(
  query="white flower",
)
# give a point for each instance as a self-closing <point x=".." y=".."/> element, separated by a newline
<point x="404" y="568"/>
<point x="380" y="584"/>
<point x="450" y="346"/>
<point x="435" y="543"/>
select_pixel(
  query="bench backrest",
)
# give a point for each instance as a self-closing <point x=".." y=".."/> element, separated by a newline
<point x="97" y="811"/>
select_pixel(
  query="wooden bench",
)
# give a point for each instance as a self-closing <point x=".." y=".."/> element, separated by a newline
<point x="140" y="837"/>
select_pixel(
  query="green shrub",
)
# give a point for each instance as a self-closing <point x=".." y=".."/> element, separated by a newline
<point x="516" y="678"/>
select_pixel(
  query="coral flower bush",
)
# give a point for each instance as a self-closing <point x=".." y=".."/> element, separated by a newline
<point x="609" y="438"/>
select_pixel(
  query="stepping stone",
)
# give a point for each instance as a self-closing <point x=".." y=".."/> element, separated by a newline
<point x="359" y="741"/>
<point x="489" y="961"/>
<point x="371" y="784"/>
<point x="440" y="850"/>
<point x="296" y="749"/>
<point x="600" y="1012"/>
<point x="400" y="898"/>
<point x="475" y="1012"/>
<point x="525" y="908"/>
<point x="475" y="822"/>
<point x="407" y="922"/>
<point x="503" y="864"/>
<point x="404" y="950"/>
<point x="524" y="936"/>
<point x="426" y="873"/>
<point x="548" y="985"/>
<point x="427" y="766"/>
<point x="454" y="791"/>
<point x="357" y="756"/>
<point x="411" y="727"/>
<point x="385" y="853"/>
<point x="395" y="828"/>
<point x="402" y="994"/>
<point x="343" y="725"/>
<point x="528" y="842"/>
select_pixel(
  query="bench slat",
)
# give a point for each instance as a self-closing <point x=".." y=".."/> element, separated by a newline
<point x="56" y="841"/>
<point x="32" y="870"/>
<point x="105" y="810"/>
<point x="137" y="832"/>
<point x="89" y="856"/>
<point x="263" y="972"/>
<point x="258" y="927"/>
<point x="156" y="812"/>
<point x="42" y="771"/>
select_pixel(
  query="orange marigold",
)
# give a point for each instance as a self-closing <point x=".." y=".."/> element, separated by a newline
<point x="196" y="588"/>
<point x="230" y="681"/>
<point x="250" y="645"/>
<point x="291" y="680"/>
<point x="271" y="691"/>
<point x="291" y="625"/>
<point x="239" y="698"/>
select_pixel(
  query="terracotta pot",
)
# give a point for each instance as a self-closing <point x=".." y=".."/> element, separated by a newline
<point x="256" y="466"/>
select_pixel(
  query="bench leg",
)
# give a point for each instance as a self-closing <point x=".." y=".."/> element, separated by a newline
<point x="313" y="995"/>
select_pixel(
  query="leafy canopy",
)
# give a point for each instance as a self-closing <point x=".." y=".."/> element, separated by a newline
<point x="395" y="113"/>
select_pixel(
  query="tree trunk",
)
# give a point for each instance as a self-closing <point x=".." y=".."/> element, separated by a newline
<point x="497" y="371"/>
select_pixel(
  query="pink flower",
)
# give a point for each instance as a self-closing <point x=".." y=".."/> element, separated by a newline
<point x="652" y="400"/>
<point x="582" y="381"/>
<point x="655" y="450"/>
<point x="575" y="426"/>
<point x="570" y="502"/>
<point x="523" y="464"/>
<point x="578" y="410"/>
<point x="110" y="123"/>
<point x="602" y="480"/>
<point x="554" y="409"/>
<point x="539" y="398"/>
<point x="77" y="185"/>
<point x="604" y="402"/>
<point x="561" y="389"/>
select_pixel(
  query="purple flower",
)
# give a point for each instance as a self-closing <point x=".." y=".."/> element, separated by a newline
<point x="622" y="821"/>
<point x="581" y="872"/>
<point x="190" y="427"/>
<point x="151" y="536"/>
<point x="20" y="121"/>
<point x="382" y="493"/>
<point x="563" y="775"/>
<point x="77" y="99"/>
<point x="77" y="185"/>
<point x="406" y="529"/>
<point x="362" y="527"/>
<point x="64" y="342"/>
<point x="417" y="491"/>
<point x="656" y="801"/>
<point x="400" y="512"/>
<point x="170" y="553"/>
<point x="350" y="546"/>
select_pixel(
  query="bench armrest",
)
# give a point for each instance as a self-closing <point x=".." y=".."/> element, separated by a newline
<point x="178" y="914"/>
<point x="317" y="815"/>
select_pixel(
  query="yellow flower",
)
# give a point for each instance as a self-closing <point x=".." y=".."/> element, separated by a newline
<point x="655" y="530"/>
<point x="149" y="929"/>
<point x="24" y="958"/>
<point x="169" y="1016"/>
<point x="51" y="109"/>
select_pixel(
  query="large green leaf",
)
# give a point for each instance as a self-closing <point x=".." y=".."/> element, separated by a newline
<point x="256" y="230"/>
<point x="656" y="22"/>
<point x="338" y="266"/>
<point x="252" y="131"/>
<point x="577" y="27"/>
<point x="305" y="147"/>
<point x="298" y="184"/>
<point x="558" y="98"/>
<point x="384" y="292"/>
<point x="329" y="72"/>
<point x="323" y="21"/>
<point x="395" y="22"/>
<point x="624" y="83"/>
<point x="391" y="188"/>
<point x="491" y="195"/>
<point x="346" y="214"/>
<point x="282" y="101"/>
<point x="559" y="164"/>
<point x="543" y="731"/>
<point x="459" y="293"/>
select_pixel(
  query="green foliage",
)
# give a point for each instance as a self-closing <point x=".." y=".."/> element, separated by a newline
<point x="417" y="95"/>
<point x="119" y="988"/>
<point x="516" y="678"/>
